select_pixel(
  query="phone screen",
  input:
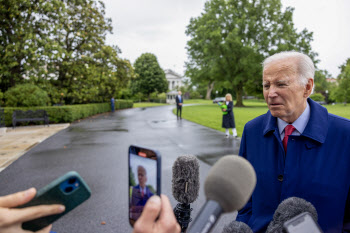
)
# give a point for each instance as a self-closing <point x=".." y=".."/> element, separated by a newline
<point x="303" y="223"/>
<point x="144" y="179"/>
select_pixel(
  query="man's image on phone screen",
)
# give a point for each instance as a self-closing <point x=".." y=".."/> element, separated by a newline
<point x="142" y="183"/>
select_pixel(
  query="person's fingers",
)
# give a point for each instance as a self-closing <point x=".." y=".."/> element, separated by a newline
<point x="17" y="199"/>
<point x="149" y="214"/>
<point x="167" y="217"/>
<point x="45" y="230"/>
<point x="166" y="211"/>
<point x="34" y="212"/>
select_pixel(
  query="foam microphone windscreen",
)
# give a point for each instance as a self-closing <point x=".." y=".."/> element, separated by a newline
<point x="185" y="182"/>
<point x="288" y="209"/>
<point x="237" y="227"/>
<point x="230" y="182"/>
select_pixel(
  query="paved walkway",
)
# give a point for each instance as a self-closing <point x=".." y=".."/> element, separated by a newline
<point x="97" y="149"/>
<point x="15" y="142"/>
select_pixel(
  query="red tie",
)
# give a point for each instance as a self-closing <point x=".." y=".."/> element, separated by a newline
<point x="142" y="193"/>
<point x="288" y="130"/>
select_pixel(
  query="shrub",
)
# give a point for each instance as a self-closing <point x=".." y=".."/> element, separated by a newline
<point x="56" y="95"/>
<point x="317" y="97"/>
<point x="158" y="98"/>
<point x="139" y="97"/>
<point x="195" y="95"/>
<point x="26" y="95"/>
<point x="69" y="113"/>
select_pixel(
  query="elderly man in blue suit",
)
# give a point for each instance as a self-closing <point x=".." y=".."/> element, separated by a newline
<point x="297" y="148"/>
<point x="140" y="194"/>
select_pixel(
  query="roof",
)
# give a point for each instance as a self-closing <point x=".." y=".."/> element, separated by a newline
<point x="172" y="93"/>
<point x="172" y="73"/>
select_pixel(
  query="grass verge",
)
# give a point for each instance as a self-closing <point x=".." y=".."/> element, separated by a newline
<point x="209" y="114"/>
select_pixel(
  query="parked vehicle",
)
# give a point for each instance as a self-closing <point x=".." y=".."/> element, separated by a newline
<point x="321" y="102"/>
<point x="218" y="99"/>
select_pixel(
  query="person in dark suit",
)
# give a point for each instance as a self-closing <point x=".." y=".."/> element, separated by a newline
<point x="112" y="104"/>
<point x="140" y="194"/>
<point x="179" y="102"/>
<point x="228" y="120"/>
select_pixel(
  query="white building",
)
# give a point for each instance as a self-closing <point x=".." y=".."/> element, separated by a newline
<point x="174" y="82"/>
<point x="174" y="79"/>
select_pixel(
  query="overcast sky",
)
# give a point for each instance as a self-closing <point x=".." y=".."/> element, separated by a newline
<point x="158" y="27"/>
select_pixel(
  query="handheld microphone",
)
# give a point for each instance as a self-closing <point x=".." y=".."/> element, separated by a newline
<point x="288" y="209"/>
<point x="185" y="186"/>
<point x="237" y="227"/>
<point x="228" y="187"/>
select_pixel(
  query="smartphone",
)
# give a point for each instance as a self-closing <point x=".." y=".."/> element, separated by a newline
<point x="302" y="223"/>
<point x="144" y="179"/>
<point x="69" y="190"/>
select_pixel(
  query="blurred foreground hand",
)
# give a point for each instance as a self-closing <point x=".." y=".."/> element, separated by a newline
<point x="148" y="222"/>
<point x="11" y="219"/>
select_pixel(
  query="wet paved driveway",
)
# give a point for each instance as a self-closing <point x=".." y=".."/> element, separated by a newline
<point x="97" y="148"/>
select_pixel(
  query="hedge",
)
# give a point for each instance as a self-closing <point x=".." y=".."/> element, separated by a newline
<point x="69" y="113"/>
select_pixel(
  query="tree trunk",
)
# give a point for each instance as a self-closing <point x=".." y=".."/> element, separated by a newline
<point x="239" y="96"/>
<point x="209" y="90"/>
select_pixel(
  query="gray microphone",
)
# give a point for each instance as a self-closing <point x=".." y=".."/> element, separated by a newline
<point x="288" y="209"/>
<point x="228" y="187"/>
<point x="185" y="186"/>
<point x="237" y="227"/>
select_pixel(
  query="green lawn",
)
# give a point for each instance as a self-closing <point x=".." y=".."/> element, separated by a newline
<point x="198" y="101"/>
<point x="339" y="109"/>
<point x="209" y="114"/>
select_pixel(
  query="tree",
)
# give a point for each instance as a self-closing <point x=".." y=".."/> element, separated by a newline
<point x="342" y="92"/>
<point x="20" y="39"/>
<point x="200" y="75"/>
<point x="231" y="38"/>
<point x="150" y="77"/>
<point x="317" y="97"/>
<point x="59" y="45"/>
<point x="321" y="84"/>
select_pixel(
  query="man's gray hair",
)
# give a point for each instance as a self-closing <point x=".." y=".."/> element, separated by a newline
<point x="305" y="66"/>
<point x="142" y="168"/>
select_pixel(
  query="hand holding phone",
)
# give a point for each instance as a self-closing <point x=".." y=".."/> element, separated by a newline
<point x="69" y="190"/>
<point x="144" y="179"/>
<point x="157" y="216"/>
<point x="12" y="218"/>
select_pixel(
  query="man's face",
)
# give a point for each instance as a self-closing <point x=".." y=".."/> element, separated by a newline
<point x="180" y="93"/>
<point x="283" y="93"/>
<point x="142" y="177"/>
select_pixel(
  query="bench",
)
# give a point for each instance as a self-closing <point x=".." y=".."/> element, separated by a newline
<point x="2" y="117"/>
<point x="29" y="116"/>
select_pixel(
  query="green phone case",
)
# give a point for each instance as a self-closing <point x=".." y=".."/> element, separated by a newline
<point x="55" y="193"/>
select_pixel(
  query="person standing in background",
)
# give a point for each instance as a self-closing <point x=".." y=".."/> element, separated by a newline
<point x="179" y="102"/>
<point x="112" y="104"/>
<point x="228" y="120"/>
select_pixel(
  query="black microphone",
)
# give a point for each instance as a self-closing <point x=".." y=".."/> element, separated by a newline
<point x="185" y="186"/>
<point x="237" y="227"/>
<point x="228" y="187"/>
<point x="288" y="209"/>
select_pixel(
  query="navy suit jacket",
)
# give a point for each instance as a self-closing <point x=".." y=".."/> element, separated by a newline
<point x="178" y="100"/>
<point x="316" y="168"/>
<point x="138" y="201"/>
